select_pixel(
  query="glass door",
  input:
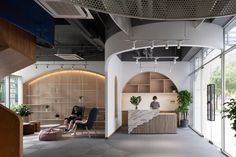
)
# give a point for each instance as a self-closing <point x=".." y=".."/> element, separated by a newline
<point x="211" y="75"/>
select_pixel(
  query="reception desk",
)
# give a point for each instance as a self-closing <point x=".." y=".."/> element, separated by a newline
<point x="151" y="122"/>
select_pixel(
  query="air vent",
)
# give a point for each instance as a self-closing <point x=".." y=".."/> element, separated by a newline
<point x="70" y="57"/>
<point x="63" y="9"/>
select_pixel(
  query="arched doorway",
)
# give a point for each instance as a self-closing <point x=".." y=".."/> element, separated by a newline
<point x="147" y="85"/>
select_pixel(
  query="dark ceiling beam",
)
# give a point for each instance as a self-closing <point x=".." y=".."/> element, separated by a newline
<point x="97" y="42"/>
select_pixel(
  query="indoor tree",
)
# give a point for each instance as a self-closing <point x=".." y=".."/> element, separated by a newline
<point x="230" y="112"/>
<point x="184" y="100"/>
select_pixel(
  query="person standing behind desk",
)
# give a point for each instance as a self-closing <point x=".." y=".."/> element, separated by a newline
<point x="154" y="104"/>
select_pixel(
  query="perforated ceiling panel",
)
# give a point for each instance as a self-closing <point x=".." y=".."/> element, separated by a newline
<point x="162" y="9"/>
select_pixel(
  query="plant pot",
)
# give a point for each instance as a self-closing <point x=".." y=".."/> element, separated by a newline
<point x="25" y="119"/>
<point x="184" y="123"/>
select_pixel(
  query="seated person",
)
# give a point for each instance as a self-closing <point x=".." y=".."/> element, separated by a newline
<point x="154" y="104"/>
<point x="73" y="129"/>
<point x="76" y="114"/>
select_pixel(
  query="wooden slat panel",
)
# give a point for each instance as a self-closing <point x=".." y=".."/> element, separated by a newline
<point x="124" y="118"/>
<point x="11" y="134"/>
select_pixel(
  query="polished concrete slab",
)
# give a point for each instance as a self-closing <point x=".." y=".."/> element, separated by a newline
<point x="185" y="143"/>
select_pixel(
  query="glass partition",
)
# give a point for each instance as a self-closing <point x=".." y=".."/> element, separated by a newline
<point x="211" y="74"/>
<point x="2" y="92"/>
<point x="230" y="35"/>
<point x="230" y="92"/>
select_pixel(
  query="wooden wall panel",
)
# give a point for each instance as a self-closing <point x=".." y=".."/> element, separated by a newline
<point x="11" y="134"/>
<point x="17" y="48"/>
<point x="61" y="91"/>
<point x="124" y="118"/>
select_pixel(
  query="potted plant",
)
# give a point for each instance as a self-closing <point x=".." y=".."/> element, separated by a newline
<point x="173" y="89"/>
<point x="184" y="99"/>
<point x="81" y="99"/>
<point x="57" y="116"/>
<point x="230" y="112"/>
<point x="135" y="100"/>
<point x="46" y="108"/>
<point x="23" y="111"/>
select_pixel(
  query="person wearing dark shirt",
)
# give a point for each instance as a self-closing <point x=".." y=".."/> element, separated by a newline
<point x="75" y="115"/>
<point x="154" y="104"/>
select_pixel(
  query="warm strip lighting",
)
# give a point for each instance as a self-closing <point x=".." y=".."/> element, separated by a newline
<point x="67" y="72"/>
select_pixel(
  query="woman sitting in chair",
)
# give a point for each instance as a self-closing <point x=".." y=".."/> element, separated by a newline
<point x="86" y="124"/>
<point x="76" y="114"/>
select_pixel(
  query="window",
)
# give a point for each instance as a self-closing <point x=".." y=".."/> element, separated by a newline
<point x="230" y="35"/>
<point x="13" y="90"/>
<point x="230" y="92"/>
<point x="2" y="92"/>
<point x="211" y="74"/>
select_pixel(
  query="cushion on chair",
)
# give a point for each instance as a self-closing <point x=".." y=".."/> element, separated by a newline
<point x="50" y="134"/>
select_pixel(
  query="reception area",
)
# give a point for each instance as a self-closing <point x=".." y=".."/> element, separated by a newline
<point x="117" y="78"/>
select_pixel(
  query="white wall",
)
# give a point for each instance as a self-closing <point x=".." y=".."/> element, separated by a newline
<point x="31" y="71"/>
<point x="113" y="69"/>
<point x="168" y="102"/>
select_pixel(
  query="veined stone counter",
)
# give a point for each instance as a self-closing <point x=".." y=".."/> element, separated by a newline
<point x="151" y="122"/>
<point x="139" y="117"/>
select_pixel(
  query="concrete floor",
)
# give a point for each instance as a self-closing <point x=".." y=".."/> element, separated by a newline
<point x="183" y="144"/>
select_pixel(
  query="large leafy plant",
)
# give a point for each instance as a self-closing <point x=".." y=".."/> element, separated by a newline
<point x="184" y="100"/>
<point x="22" y="110"/>
<point x="230" y="112"/>
<point x="135" y="100"/>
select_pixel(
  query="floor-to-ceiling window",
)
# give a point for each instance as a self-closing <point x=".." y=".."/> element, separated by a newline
<point x="14" y="90"/>
<point x="11" y="91"/>
<point x="230" y="92"/>
<point x="197" y="125"/>
<point x="211" y="74"/>
<point x="207" y="71"/>
<point x="2" y="92"/>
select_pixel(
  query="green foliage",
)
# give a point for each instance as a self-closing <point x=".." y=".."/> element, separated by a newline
<point x="230" y="112"/>
<point x="230" y="76"/>
<point x="135" y="101"/>
<point x="184" y="100"/>
<point x="21" y="110"/>
<point x="216" y="79"/>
